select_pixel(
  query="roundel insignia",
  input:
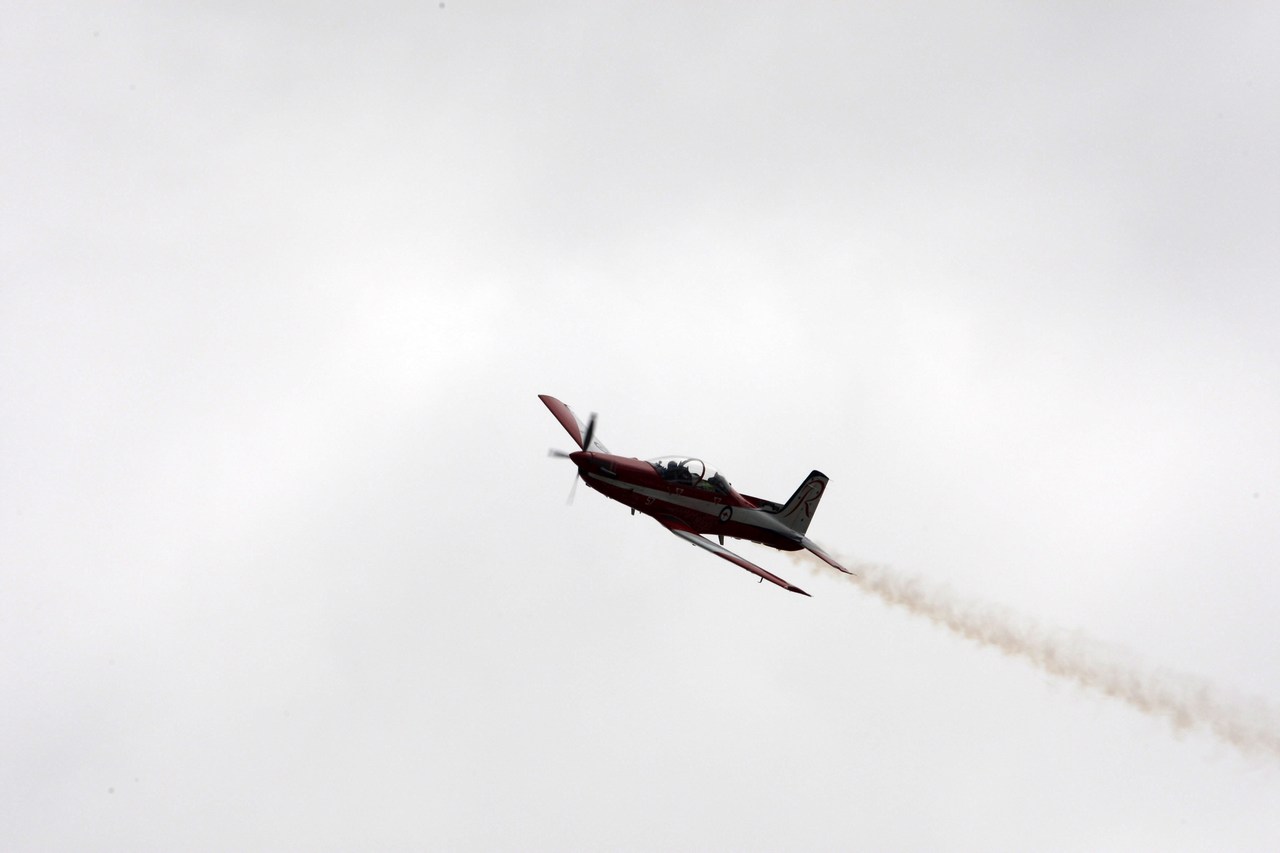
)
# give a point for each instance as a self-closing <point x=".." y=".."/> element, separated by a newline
<point x="726" y="513"/>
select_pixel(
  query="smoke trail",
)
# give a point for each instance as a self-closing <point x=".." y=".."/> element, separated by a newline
<point x="1186" y="702"/>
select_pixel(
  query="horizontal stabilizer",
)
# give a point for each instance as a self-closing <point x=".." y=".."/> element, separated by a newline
<point x="812" y="547"/>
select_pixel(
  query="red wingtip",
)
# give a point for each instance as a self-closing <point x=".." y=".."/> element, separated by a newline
<point x="565" y="417"/>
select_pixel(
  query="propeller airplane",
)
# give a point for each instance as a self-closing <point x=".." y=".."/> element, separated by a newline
<point x="685" y="496"/>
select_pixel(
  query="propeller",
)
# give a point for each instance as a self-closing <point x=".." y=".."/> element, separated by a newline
<point x="586" y="445"/>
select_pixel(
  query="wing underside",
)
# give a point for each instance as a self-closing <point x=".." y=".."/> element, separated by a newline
<point x="572" y="424"/>
<point x="687" y="534"/>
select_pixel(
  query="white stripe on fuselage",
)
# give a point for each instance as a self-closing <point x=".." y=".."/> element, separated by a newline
<point x="746" y="515"/>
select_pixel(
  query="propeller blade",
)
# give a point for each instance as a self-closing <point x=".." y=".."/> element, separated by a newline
<point x="560" y="454"/>
<point x="591" y="432"/>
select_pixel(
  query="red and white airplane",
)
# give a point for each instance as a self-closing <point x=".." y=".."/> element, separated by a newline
<point x="690" y="499"/>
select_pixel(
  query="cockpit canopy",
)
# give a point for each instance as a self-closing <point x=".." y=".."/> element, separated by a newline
<point x="688" y="470"/>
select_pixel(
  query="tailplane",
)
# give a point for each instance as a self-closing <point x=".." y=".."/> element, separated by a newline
<point x="812" y="547"/>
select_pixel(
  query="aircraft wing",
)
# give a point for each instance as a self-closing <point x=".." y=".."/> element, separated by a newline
<point x="572" y="423"/>
<point x="686" y="533"/>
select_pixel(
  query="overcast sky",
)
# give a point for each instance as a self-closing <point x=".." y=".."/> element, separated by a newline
<point x="283" y="561"/>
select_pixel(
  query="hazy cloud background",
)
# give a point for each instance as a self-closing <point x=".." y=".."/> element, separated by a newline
<point x="285" y="564"/>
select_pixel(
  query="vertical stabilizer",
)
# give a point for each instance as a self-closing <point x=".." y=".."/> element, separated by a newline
<point x="797" y="512"/>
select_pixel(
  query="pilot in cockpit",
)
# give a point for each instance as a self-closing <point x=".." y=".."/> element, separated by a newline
<point x="677" y="472"/>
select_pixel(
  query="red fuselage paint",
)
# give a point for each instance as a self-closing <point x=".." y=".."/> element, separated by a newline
<point x="702" y="507"/>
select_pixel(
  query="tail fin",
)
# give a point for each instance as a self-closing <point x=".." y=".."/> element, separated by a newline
<point x="797" y="512"/>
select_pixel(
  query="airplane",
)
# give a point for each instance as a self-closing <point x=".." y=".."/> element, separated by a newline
<point x="690" y="499"/>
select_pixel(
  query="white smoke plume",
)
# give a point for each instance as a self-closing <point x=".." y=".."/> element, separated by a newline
<point x="1186" y="702"/>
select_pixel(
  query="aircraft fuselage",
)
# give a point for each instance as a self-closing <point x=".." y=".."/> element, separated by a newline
<point x="706" y="510"/>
